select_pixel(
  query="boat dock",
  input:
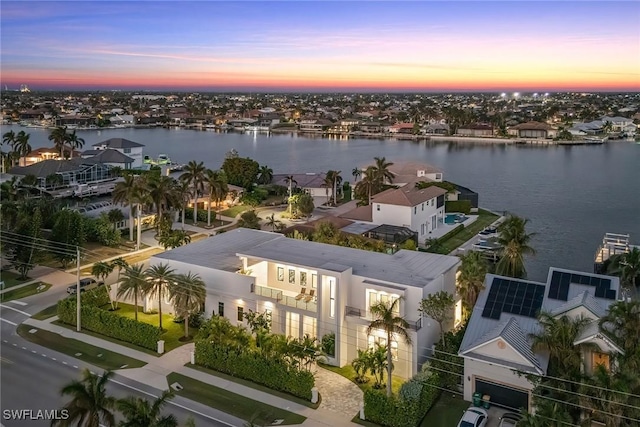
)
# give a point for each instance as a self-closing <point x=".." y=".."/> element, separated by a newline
<point x="612" y="244"/>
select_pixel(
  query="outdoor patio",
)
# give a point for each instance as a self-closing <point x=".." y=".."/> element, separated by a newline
<point x="444" y="228"/>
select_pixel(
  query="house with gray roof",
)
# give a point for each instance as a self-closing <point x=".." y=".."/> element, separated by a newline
<point x="131" y="149"/>
<point x="318" y="289"/>
<point x="497" y="345"/>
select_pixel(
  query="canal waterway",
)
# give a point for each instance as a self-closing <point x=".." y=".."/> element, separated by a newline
<point x="572" y="195"/>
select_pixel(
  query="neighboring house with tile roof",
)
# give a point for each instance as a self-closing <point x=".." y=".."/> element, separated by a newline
<point x="315" y="288"/>
<point x="497" y="345"/>
<point x="129" y="148"/>
<point x="533" y="130"/>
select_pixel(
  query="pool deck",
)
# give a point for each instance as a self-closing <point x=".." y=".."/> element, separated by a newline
<point x="444" y="228"/>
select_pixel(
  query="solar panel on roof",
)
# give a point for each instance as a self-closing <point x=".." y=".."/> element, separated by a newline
<point x="561" y="282"/>
<point x="514" y="297"/>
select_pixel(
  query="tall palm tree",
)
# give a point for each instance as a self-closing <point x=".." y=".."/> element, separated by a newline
<point x="289" y="179"/>
<point x="8" y="138"/>
<point x="622" y="323"/>
<point x="22" y="147"/>
<point x="102" y="270"/>
<point x="184" y="189"/>
<point x="627" y="266"/>
<point x="367" y="185"/>
<point x="59" y="137"/>
<point x="515" y="243"/>
<point x="357" y="173"/>
<point x="74" y="142"/>
<point x="163" y="192"/>
<point x="133" y="284"/>
<point x="471" y="280"/>
<point x="195" y="176"/>
<point x="187" y="294"/>
<point x="126" y="193"/>
<point x="120" y="264"/>
<point x="174" y="239"/>
<point x="327" y="183"/>
<point x="273" y="222"/>
<point x="382" y="174"/>
<point x="139" y="412"/>
<point x="217" y="185"/>
<point x="335" y="179"/>
<point x="90" y="405"/>
<point x="160" y="277"/>
<point x="266" y="175"/>
<point x="386" y="319"/>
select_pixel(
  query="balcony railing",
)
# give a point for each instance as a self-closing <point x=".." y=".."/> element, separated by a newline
<point x="284" y="299"/>
<point x="415" y="325"/>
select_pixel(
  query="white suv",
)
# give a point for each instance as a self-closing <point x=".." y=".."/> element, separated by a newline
<point x="85" y="285"/>
<point x="474" y="417"/>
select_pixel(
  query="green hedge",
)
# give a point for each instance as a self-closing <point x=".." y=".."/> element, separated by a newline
<point x="415" y="399"/>
<point x="107" y="323"/>
<point x="273" y="373"/>
<point x="463" y="206"/>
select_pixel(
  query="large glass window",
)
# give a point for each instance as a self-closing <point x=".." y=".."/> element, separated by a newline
<point x="314" y="281"/>
<point x="332" y="297"/>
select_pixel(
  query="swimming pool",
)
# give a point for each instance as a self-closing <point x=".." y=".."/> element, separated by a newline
<point x="454" y="218"/>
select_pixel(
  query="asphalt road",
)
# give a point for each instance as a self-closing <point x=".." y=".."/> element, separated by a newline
<point x="31" y="376"/>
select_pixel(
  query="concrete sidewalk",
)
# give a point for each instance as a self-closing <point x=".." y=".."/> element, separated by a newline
<point x="157" y="368"/>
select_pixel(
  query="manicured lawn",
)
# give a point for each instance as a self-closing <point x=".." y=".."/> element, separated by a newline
<point x="11" y="279"/>
<point x="348" y="372"/>
<point x="256" y="386"/>
<point x="446" y="412"/>
<point x="485" y="219"/>
<point x="25" y="291"/>
<point x="234" y="210"/>
<point x="231" y="403"/>
<point x="46" y="313"/>
<point x="95" y="355"/>
<point x="173" y="331"/>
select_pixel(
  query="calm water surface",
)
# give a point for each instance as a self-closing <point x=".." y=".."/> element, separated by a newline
<point x="571" y="195"/>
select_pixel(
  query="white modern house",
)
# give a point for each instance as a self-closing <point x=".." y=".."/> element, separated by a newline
<point x="497" y="347"/>
<point x="317" y="289"/>
<point x="130" y="149"/>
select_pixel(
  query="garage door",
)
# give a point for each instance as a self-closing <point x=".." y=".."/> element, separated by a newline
<point x="507" y="397"/>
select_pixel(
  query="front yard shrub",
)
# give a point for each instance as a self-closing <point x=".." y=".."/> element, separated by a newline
<point x="107" y="323"/>
<point x="462" y="206"/>
<point x="408" y="408"/>
<point x="329" y="344"/>
<point x="273" y="372"/>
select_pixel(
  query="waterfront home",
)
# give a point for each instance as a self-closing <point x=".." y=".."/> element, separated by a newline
<point x="316" y="289"/>
<point x="497" y="346"/>
<point x="476" y="129"/>
<point x="313" y="183"/>
<point x="314" y="125"/>
<point x="40" y="154"/>
<point x="533" y="130"/>
<point x="130" y="149"/>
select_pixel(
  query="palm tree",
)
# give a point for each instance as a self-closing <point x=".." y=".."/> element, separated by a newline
<point x="159" y="276"/>
<point x="102" y="270"/>
<point x="627" y="266"/>
<point x="471" y="280"/>
<point x="217" y="185"/>
<point x="163" y="192"/>
<point x="139" y="412"/>
<point x="367" y="185"/>
<point x="622" y="323"/>
<point x="133" y="284"/>
<point x="120" y="264"/>
<point x="174" y="239"/>
<point x="379" y="362"/>
<point x="290" y="183"/>
<point x="126" y="193"/>
<point x="327" y="183"/>
<point x="266" y="175"/>
<point x="514" y="241"/>
<point x="273" y="222"/>
<point x="385" y="319"/>
<point x="59" y="137"/>
<point x="188" y="294"/>
<point x="335" y="179"/>
<point x="195" y="176"/>
<point x="90" y="405"/>
<point x="74" y="142"/>
<point x="357" y="173"/>
<point x="8" y="138"/>
<point x="184" y="189"/>
<point x="22" y="147"/>
<point x="382" y="174"/>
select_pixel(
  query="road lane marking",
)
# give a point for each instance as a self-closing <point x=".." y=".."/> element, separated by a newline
<point x="53" y="358"/>
<point x="75" y="365"/>
<point x="9" y="322"/>
<point x="33" y="351"/>
<point x="64" y="363"/>
<point x="18" y="302"/>
<point x="5" y="341"/>
<point x="44" y="355"/>
<point x="15" y="309"/>
<point x="24" y="348"/>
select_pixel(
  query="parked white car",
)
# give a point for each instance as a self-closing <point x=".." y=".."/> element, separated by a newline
<point x="474" y="417"/>
<point x="509" y="419"/>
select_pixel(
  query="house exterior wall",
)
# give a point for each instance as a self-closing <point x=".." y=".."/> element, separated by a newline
<point x="495" y="373"/>
<point x="391" y="214"/>
<point x="499" y="349"/>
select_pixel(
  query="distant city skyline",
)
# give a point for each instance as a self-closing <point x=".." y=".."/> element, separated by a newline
<point x="321" y="46"/>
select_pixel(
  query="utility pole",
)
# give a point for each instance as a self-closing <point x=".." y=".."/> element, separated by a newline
<point x="139" y="224"/>
<point x="78" y="288"/>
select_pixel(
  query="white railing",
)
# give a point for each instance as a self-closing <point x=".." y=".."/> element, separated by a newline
<point x="285" y="299"/>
